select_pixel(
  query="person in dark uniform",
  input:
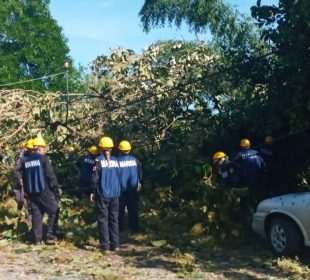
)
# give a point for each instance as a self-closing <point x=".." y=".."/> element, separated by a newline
<point x="69" y="172"/>
<point x="130" y="176"/>
<point x="25" y="151"/>
<point x="273" y="173"/>
<point x="106" y="196"/>
<point x="87" y="166"/>
<point x="227" y="169"/>
<point x="252" y="168"/>
<point x="38" y="179"/>
<point x="267" y="151"/>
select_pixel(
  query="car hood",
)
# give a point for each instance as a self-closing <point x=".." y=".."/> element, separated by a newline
<point x="283" y="201"/>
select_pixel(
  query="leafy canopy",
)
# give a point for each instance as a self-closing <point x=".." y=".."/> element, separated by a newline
<point x="228" y="27"/>
<point x="31" y="45"/>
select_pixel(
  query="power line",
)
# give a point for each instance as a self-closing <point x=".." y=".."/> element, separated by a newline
<point x="160" y="93"/>
<point x="147" y="97"/>
<point x="31" y="80"/>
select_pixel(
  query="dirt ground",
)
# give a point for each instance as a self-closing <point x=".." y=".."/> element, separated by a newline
<point x="135" y="260"/>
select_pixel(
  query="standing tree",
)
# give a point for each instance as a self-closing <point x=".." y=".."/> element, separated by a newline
<point x="268" y="74"/>
<point x="287" y="30"/>
<point x="242" y="54"/>
<point x="31" y="45"/>
<point x="229" y="28"/>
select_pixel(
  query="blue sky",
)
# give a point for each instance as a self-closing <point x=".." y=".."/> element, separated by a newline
<point x="92" y="27"/>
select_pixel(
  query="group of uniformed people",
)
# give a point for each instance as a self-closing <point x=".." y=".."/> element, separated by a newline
<point x="111" y="182"/>
<point x="117" y="187"/>
<point x="249" y="168"/>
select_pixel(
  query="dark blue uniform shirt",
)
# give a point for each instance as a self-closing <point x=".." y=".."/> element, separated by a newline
<point x="267" y="153"/>
<point x="87" y="165"/>
<point x="33" y="174"/>
<point x="251" y="164"/>
<point x="36" y="172"/>
<point x="229" y="172"/>
<point x="130" y="172"/>
<point x="108" y="177"/>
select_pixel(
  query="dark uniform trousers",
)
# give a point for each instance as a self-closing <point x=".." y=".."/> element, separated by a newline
<point x="86" y="187"/>
<point x="107" y="216"/>
<point x="131" y="200"/>
<point x="44" y="202"/>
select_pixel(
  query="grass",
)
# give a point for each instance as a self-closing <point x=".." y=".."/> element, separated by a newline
<point x="292" y="268"/>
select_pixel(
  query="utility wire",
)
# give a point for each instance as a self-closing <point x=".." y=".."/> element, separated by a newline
<point x="27" y="81"/>
<point x="160" y="93"/>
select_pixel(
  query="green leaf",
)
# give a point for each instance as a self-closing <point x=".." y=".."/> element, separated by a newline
<point x="158" y="243"/>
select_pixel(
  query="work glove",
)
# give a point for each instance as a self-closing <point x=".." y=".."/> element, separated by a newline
<point x="59" y="190"/>
<point x="139" y="187"/>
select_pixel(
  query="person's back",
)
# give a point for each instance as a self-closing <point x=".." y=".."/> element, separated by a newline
<point x="19" y="194"/>
<point x="33" y="174"/>
<point x="38" y="180"/>
<point x="22" y="157"/>
<point x="129" y="172"/>
<point x="87" y="163"/>
<point x="87" y="166"/>
<point x="106" y="196"/>
<point x="108" y="176"/>
<point x="267" y="151"/>
<point x="274" y="178"/>
<point x="229" y="171"/>
<point x="251" y="166"/>
<point x="130" y="176"/>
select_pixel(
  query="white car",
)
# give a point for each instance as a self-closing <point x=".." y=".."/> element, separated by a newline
<point x="285" y="222"/>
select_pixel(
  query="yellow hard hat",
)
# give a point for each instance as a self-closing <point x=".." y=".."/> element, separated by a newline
<point x="269" y="139"/>
<point x="71" y="149"/>
<point x="23" y="145"/>
<point x="245" y="143"/>
<point x="219" y="155"/>
<point x="38" y="141"/>
<point x="124" y="146"/>
<point x="29" y="144"/>
<point x="93" y="150"/>
<point x="106" y="142"/>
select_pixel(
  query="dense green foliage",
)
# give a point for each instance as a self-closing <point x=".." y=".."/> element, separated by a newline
<point x="179" y="102"/>
<point x="287" y="30"/>
<point x="229" y="29"/>
<point x="268" y="89"/>
<point x="31" y="45"/>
